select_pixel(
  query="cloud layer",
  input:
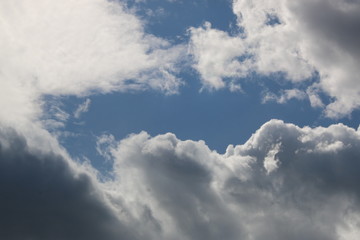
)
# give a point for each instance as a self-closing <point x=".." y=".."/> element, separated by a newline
<point x="285" y="182"/>
<point x="298" y="39"/>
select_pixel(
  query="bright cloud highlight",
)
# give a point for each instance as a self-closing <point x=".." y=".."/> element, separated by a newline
<point x="298" y="39"/>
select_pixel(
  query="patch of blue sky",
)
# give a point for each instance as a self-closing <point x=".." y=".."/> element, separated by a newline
<point x="171" y="19"/>
<point x="219" y="117"/>
<point x="272" y="19"/>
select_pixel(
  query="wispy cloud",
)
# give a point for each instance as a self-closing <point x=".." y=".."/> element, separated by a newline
<point x="82" y="108"/>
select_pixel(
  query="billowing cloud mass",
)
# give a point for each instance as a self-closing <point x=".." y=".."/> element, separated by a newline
<point x="298" y="39"/>
<point x="76" y="47"/>
<point x="285" y="182"/>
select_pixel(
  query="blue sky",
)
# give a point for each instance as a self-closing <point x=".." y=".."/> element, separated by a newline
<point x="219" y="117"/>
<point x="180" y="120"/>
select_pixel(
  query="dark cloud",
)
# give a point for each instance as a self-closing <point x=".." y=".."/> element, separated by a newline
<point x="284" y="183"/>
<point x="42" y="197"/>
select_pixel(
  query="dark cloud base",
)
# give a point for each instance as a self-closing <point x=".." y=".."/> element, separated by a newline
<point x="42" y="198"/>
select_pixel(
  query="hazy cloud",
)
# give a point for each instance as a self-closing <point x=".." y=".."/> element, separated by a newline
<point x="284" y="96"/>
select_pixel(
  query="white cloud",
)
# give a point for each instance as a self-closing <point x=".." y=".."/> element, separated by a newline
<point x="295" y="38"/>
<point x="216" y="56"/>
<point x="270" y="160"/>
<point x="285" y="96"/>
<point x="104" y="143"/>
<point x="75" y="48"/>
<point x="82" y="108"/>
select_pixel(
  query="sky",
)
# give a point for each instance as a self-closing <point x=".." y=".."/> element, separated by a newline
<point x="173" y="119"/>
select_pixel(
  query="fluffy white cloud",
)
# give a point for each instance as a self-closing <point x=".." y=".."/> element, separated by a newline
<point x="295" y="38"/>
<point x="216" y="56"/>
<point x="285" y="182"/>
<point x="76" y="47"/>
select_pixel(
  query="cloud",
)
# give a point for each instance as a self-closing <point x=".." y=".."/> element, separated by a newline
<point x="103" y="145"/>
<point x="216" y="56"/>
<point x="283" y="37"/>
<point x="76" y="48"/>
<point x="285" y="182"/>
<point x="44" y="196"/>
<point x="285" y="96"/>
<point x="82" y="108"/>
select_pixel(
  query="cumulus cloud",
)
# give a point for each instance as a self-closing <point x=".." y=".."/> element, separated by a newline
<point x="295" y="38"/>
<point x="285" y="182"/>
<point x="75" y="48"/>
<point x="217" y="56"/>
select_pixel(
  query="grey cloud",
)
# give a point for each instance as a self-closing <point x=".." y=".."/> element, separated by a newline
<point x="166" y="188"/>
<point x="195" y="193"/>
<point x="175" y="186"/>
<point x="43" y="198"/>
<point x="338" y="22"/>
<point x="314" y="187"/>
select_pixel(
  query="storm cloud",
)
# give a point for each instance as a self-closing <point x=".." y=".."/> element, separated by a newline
<point x="44" y="197"/>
